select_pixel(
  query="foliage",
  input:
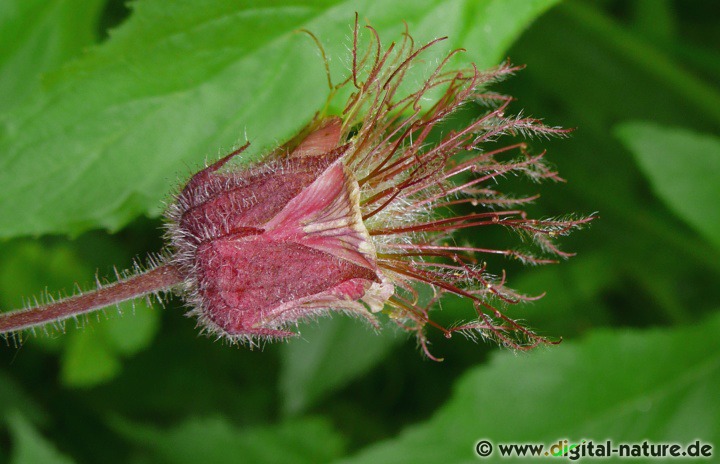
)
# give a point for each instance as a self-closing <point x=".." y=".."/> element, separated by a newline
<point x="103" y="109"/>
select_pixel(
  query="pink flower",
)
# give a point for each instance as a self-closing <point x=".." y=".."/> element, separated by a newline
<point x="276" y="243"/>
<point x="356" y="212"/>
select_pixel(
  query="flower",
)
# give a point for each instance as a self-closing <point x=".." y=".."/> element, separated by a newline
<point x="357" y="211"/>
<point x="355" y="214"/>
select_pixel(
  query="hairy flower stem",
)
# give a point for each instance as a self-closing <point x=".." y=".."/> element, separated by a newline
<point x="154" y="280"/>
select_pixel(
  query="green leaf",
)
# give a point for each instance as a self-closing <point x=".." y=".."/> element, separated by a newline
<point x="29" y="447"/>
<point x="88" y="360"/>
<point x="629" y="386"/>
<point x="683" y="168"/>
<point x="36" y="37"/>
<point x="94" y="350"/>
<point x="217" y="440"/>
<point x="103" y="142"/>
<point x="330" y="354"/>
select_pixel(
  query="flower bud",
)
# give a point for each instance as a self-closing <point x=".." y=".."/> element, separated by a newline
<point x="276" y="243"/>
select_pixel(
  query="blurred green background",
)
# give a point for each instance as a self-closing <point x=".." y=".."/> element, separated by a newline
<point x="104" y="108"/>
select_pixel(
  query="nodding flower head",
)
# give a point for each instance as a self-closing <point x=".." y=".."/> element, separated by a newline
<point x="357" y="212"/>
